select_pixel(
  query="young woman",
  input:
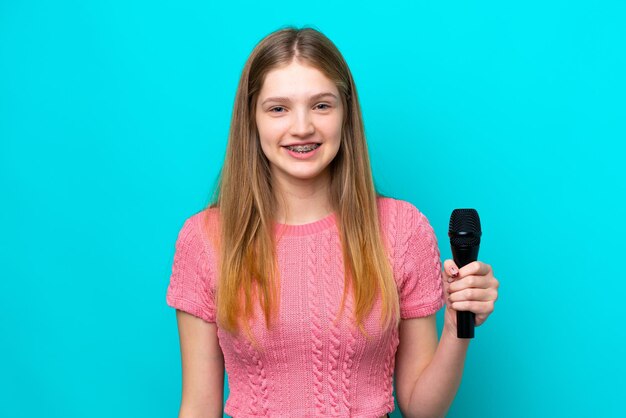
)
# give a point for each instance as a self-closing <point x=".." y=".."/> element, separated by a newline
<point x="310" y="289"/>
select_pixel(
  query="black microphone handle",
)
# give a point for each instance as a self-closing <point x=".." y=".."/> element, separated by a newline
<point x="464" y="319"/>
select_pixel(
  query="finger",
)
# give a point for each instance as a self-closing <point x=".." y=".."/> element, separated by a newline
<point x="451" y="269"/>
<point x="473" y="294"/>
<point x="480" y="319"/>
<point x="479" y="308"/>
<point x="475" y="268"/>
<point x="480" y="282"/>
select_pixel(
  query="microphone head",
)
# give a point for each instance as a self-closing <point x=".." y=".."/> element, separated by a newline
<point x="464" y="230"/>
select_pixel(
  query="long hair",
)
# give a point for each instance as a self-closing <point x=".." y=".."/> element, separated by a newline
<point x="246" y="201"/>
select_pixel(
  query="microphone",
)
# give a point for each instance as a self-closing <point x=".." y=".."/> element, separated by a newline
<point x="464" y="233"/>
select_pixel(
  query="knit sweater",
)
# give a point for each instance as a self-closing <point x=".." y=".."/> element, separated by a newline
<point x="312" y="362"/>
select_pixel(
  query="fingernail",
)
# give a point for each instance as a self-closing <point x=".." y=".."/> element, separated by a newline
<point x="450" y="280"/>
<point x="454" y="271"/>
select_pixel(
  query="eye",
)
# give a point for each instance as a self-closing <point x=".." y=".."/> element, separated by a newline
<point x="323" y="106"/>
<point x="277" y="109"/>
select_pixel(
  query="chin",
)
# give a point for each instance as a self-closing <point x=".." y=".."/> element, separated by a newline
<point x="306" y="175"/>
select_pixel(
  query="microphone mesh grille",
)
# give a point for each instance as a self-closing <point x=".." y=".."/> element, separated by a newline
<point x="464" y="227"/>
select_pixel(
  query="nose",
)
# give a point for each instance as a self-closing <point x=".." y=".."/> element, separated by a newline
<point x="302" y="124"/>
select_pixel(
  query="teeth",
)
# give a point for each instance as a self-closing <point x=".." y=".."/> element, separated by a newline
<point x="303" y="148"/>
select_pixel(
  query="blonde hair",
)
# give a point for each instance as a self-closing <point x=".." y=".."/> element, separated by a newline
<point x="247" y="263"/>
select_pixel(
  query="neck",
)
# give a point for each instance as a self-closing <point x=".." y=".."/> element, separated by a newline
<point x="303" y="202"/>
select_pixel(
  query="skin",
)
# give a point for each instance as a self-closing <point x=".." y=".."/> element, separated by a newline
<point x="428" y="373"/>
<point x="428" y="370"/>
<point x="297" y="105"/>
<point x="202" y="368"/>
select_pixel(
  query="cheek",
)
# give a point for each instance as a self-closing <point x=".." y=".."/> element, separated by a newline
<point x="334" y="130"/>
<point x="271" y="129"/>
<point x="265" y="134"/>
<point x="264" y="147"/>
<point x="262" y="136"/>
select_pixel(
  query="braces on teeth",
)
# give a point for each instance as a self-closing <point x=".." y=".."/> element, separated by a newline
<point x="303" y="148"/>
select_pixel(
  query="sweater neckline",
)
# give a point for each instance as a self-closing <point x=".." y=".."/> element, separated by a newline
<point x="306" y="229"/>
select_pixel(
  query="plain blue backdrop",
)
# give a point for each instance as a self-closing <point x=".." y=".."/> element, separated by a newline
<point x="113" y="124"/>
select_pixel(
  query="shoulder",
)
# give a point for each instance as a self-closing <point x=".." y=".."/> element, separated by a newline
<point x="406" y="231"/>
<point x="400" y="214"/>
<point x="193" y="279"/>
<point x="208" y="216"/>
<point x="200" y="230"/>
<point x="415" y="257"/>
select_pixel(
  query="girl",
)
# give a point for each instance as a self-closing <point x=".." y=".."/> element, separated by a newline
<point x="309" y="288"/>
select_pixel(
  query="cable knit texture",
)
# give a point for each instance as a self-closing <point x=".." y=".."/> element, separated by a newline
<point x="312" y="362"/>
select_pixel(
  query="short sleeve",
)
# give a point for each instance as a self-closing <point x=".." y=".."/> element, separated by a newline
<point x="421" y="286"/>
<point x="191" y="286"/>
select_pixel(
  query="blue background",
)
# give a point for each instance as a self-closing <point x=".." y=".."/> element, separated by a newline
<point x="113" y="124"/>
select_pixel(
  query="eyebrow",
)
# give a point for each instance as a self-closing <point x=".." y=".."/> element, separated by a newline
<point x="286" y="99"/>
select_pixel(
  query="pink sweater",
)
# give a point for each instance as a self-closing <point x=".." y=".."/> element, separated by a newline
<point x="309" y="364"/>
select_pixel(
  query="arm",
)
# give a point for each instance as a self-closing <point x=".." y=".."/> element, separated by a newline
<point x="427" y="374"/>
<point x="202" y="366"/>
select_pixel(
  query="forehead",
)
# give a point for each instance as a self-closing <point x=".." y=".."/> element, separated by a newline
<point x="294" y="80"/>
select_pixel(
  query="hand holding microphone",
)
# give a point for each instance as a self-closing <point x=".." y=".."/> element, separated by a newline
<point x="470" y="286"/>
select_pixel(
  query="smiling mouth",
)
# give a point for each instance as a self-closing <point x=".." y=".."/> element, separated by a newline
<point x="303" y="148"/>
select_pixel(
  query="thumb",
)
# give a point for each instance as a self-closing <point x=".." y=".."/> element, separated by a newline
<point x="451" y="269"/>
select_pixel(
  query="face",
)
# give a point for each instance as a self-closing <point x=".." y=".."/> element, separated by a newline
<point x="299" y="116"/>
